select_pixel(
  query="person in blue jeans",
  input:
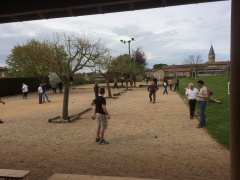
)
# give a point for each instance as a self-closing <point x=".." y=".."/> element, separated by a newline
<point x="40" y="93"/>
<point x="202" y="102"/>
<point x="165" y="84"/>
<point x="44" y="88"/>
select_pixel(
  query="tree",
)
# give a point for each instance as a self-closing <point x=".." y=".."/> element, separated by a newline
<point x="124" y="66"/>
<point x="192" y="61"/>
<point x="140" y="62"/>
<point x="158" y="66"/>
<point x="81" y="53"/>
<point x="103" y="66"/>
<point x="30" y="60"/>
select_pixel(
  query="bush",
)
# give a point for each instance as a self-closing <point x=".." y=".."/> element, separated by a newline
<point x="12" y="86"/>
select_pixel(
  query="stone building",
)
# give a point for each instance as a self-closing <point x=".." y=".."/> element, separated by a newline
<point x="3" y="72"/>
<point x="211" y="55"/>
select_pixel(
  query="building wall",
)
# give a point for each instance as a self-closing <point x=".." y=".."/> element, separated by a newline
<point x="3" y="73"/>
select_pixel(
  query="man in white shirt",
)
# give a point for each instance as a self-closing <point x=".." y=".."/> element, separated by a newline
<point x="24" y="90"/>
<point x="191" y="96"/>
<point x="40" y="92"/>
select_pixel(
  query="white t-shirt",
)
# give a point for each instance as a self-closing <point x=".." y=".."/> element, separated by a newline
<point x="192" y="94"/>
<point x="40" y="89"/>
<point x="24" y="88"/>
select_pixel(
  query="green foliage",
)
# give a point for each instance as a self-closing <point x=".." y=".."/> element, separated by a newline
<point x="124" y="66"/>
<point x="30" y="60"/>
<point x="158" y="66"/>
<point x="217" y="115"/>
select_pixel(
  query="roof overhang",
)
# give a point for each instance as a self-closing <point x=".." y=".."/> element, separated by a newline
<point x="26" y="10"/>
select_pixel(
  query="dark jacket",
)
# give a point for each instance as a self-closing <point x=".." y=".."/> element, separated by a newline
<point x="152" y="88"/>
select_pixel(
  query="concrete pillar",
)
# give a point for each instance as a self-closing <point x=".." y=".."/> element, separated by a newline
<point x="235" y="91"/>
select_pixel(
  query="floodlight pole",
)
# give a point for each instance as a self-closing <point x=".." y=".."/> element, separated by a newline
<point x="124" y="42"/>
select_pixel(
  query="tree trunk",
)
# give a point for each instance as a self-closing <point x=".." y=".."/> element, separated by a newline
<point x="126" y="79"/>
<point x="108" y="87"/>
<point x="65" y="99"/>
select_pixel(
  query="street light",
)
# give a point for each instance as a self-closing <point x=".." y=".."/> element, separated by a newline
<point x="124" y="42"/>
<point x="128" y="41"/>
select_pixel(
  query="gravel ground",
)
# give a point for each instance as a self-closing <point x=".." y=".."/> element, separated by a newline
<point x="146" y="140"/>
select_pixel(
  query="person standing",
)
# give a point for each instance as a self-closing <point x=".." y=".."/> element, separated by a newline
<point x="155" y="80"/>
<point x="152" y="91"/>
<point x="165" y="85"/>
<point x="176" y="85"/>
<point x="40" y="93"/>
<point x="170" y="84"/>
<point x="24" y="90"/>
<point x="54" y="86"/>
<point x="96" y="89"/>
<point x="102" y="114"/>
<point x="60" y="85"/>
<point x="44" y="88"/>
<point x="3" y="104"/>
<point x="202" y="102"/>
<point x="115" y="83"/>
<point x="191" y="96"/>
<point x="122" y="80"/>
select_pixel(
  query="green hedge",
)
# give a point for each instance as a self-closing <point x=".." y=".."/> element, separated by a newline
<point x="12" y="86"/>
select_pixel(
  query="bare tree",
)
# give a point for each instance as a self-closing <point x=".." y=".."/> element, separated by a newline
<point x="80" y="53"/>
<point x="103" y="66"/>
<point x="193" y="61"/>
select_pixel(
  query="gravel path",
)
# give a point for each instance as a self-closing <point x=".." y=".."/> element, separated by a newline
<point x="146" y="140"/>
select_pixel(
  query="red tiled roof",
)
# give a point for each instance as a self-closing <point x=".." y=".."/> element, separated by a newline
<point x="177" y="69"/>
<point x="218" y="63"/>
<point x="2" y="68"/>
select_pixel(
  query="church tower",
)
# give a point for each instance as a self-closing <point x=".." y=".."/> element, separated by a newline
<point x="211" y="55"/>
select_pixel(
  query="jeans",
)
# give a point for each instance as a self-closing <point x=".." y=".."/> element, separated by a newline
<point x="25" y="95"/>
<point x="165" y="90"/>
<point x="192" y="104"/>
<point x="202" y="106"/>
<point x="45" y="95"/>
<point x="96" y="94"/>
<point x="115" y="85"/>
<point x="176" y="87"/>
<point x="154" y="96"/>
<point x="40" y="98"/>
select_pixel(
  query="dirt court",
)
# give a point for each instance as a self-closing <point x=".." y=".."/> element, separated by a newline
<point x="146" y="140"/>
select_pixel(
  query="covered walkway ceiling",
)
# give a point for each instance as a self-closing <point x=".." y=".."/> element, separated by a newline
<point x="26" y="10"/>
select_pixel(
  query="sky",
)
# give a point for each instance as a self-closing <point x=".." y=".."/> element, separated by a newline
<point x="167" y="35"/>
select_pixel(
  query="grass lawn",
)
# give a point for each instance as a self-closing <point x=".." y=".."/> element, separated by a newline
<point x="217" y="115"/>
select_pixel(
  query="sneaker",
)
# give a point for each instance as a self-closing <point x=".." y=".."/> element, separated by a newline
<point x="97" y="139"/>
<point x="191" y="117"/>
<point x="1" y="121"/>
<point x="200" y="126"/>
<point x="103" y="142"/>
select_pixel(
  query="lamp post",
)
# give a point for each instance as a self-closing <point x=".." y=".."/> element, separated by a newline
<point x="124" y="42"/>
<point x="128" y="41"/>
